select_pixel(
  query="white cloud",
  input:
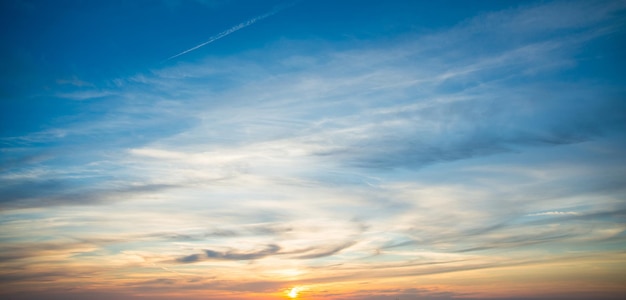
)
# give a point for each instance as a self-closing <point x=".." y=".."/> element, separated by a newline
<point x="555" y="213"/>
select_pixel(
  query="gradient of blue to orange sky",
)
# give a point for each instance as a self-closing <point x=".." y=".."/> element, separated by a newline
<point x="312" y="149"/>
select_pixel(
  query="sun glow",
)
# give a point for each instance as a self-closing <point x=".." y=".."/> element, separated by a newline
<point x="293" y="293"/>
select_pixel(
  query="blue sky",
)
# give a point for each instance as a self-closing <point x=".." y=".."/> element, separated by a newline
<point x="337" y="149"/>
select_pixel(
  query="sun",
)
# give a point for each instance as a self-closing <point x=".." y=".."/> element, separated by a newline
<point x="293" y="293"/>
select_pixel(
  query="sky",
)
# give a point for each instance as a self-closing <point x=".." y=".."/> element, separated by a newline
<point x="312" y="149"/>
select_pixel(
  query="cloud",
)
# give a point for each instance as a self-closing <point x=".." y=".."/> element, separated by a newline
<point x="75" y="81"/>
<point x="389" y="294"/>
<point x="20" y="251"/>
<point x="234" y="255"/>
<point x="44" y="192"/>
<point x="189" y="258"/>
<point x="325" y="252"/>
<point x="270" y="250"/>
<point x="435" y="124"/>
<point x="86" y="95"/>
<point x="555" y="213"/>
<point x="231" y="254"/>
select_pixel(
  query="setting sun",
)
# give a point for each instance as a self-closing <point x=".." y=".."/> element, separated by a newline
<point x="293" y="293"/>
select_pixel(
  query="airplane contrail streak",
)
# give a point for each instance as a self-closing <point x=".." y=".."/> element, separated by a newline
<point x="234" y="28"/>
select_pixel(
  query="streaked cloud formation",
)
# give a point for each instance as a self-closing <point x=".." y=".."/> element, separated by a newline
<point x="476" y="159"/>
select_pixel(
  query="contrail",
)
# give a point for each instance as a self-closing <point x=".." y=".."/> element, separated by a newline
<point x="235" y="28"/>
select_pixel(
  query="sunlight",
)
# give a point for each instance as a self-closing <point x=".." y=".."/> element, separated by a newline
<point x="293" y="293"/>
